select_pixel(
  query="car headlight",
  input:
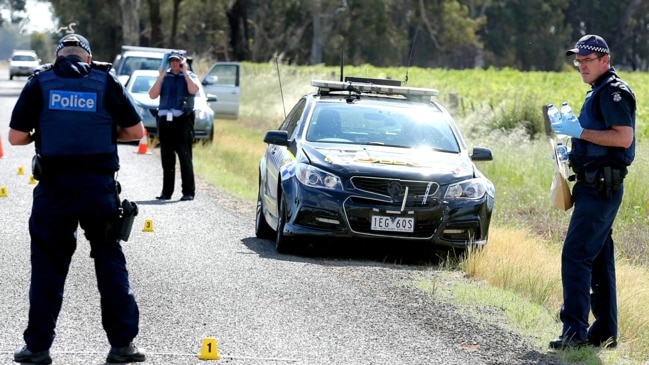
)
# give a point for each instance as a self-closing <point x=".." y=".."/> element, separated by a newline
<point x="470" y="189"/>
<point x="315" y="177"/>
<point x="200" y="114"/>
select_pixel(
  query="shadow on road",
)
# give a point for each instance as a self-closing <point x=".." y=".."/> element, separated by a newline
<point x="344" y="250"/>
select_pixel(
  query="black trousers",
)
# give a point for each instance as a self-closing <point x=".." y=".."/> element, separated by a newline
<point x="62" y="203"/>
<point x="177" y="138"/>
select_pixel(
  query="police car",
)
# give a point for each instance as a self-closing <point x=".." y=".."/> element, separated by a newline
<point x="370" y="158"/>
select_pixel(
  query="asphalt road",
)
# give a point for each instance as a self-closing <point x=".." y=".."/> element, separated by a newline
<point x="202" y="273"/>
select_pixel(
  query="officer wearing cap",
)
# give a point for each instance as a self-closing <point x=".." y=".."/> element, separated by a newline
<point x="176" y="86"/>
<point x="603" y="146"/>
<point x="75" y="112"/>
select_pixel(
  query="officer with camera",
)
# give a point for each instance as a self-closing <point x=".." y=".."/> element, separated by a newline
<point x="603" y="146"/>
<point x="75" y="112"/>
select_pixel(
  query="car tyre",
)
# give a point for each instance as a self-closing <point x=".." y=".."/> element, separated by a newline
<point x="283" y="244"/>
<point x="262" y="228"/>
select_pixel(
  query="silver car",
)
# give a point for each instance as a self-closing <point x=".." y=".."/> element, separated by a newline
<point x="23" y="63"/>
<point x="138" y="86"/>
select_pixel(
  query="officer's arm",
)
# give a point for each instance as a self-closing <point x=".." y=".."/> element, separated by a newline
<point x="19" y="138"/>
<point x="154" y="92"/>
<point x="192" y="83"/>
<point x="616" y="136"/>
<point x="132" y="133"/>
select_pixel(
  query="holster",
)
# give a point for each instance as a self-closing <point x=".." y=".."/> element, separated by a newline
<point x="37" y="167"/>
<point x="127" y="212"/>
<point x="604" y="179"/>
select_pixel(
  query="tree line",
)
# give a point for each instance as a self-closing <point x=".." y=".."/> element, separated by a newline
<point x="454" y="34"/>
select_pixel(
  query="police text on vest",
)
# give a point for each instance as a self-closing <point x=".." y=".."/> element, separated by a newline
<point x="73" y="101"/>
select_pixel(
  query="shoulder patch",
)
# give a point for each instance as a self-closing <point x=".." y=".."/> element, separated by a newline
<point x="617" y="96"/>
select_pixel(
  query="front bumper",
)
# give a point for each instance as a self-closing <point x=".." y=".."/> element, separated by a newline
<point x="320" y="213"/>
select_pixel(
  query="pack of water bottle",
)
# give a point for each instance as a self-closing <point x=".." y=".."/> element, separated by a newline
<point x="556" y="116"/>
<point x="564" y="115"/>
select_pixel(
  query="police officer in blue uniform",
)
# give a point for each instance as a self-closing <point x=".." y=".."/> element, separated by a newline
<point x="603" y="146"/>
<point x="75" y="112"/>
<point x="176" y="86"/>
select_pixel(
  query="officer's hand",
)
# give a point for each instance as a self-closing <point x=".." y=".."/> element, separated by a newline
<point x="568" y="128"/>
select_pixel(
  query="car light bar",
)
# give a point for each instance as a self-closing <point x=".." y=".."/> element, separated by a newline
<point x="373" y="88"/>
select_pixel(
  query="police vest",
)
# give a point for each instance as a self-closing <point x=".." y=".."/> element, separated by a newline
<point x="74" y="121"/>
<point x="174" y="93"/>
<point x="591" y="118"/>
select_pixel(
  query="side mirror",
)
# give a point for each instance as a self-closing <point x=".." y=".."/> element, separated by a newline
<point x="210" y="80"/>
<point x="276" y="137"/>
<point x="481" y="154"/>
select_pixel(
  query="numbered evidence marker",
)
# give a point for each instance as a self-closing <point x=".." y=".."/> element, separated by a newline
<point x="148" y="225"/>
<point x="209" y="350"/>
<point x="3" y="192"/>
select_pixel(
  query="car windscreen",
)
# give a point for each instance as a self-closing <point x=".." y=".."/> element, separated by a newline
<point x="402" y="125"/>
<point x="23" y="58"/>
<point x="130" y="64"/>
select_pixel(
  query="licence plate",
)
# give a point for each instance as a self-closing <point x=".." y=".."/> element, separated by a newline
<point x="392" y="224"/>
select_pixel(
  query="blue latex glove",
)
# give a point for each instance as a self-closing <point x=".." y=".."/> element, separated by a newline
<point x="569" y="128"/>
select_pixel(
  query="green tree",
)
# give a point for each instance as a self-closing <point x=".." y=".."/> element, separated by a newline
<point x="526" y="35"/>
<point x="622" y="23"/>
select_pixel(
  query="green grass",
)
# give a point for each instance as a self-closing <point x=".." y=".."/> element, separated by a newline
<point x="500" y="110"/>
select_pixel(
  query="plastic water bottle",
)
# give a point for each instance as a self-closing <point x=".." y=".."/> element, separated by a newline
<point x="562" y="156"/>
<point x="562" y="152"/>
<point x="567" y="113"/>
<point x="555" y="118"/>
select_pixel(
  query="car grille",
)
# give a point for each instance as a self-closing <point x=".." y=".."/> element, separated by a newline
<point x="419" y="192"/>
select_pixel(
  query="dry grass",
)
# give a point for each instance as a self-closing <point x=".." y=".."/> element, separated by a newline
<point x="521" y="262"/>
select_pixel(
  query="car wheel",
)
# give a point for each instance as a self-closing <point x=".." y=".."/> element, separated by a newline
<point x="262" y="229"/>
<point x="283" y="244"/>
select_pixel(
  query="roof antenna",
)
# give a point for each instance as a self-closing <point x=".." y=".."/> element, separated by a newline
<point x="405" y="82"/>
<point x="279" y="78"/>
<point x="342" y="63"/>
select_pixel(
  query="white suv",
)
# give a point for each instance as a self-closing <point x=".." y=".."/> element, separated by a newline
<point x="23" y="63"/>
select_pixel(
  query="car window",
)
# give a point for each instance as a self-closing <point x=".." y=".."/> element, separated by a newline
<point x="226" y="75"/>
<point x="142" y="85"/>
<point x="131" y="64"/>
<point x="400" y="126"/>
<point x="23" y="58"/>
<point x="291" y="121"/>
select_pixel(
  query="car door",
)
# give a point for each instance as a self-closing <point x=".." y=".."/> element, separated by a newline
<point x="277" y="156"/>
<point x="222" y="80"/>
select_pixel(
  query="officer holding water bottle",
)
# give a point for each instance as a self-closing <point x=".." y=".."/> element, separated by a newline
<point x="603" y="146"/>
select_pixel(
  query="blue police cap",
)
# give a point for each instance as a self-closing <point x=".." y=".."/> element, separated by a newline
<point x="177" y="55"/>
<point x="588" y="44"/>
<point x="74" y="40"/>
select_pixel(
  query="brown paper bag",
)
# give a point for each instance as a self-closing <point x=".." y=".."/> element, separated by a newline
<point x="560" y="192"/>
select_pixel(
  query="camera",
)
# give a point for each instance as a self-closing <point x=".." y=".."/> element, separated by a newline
<point x="127" y="212"/>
